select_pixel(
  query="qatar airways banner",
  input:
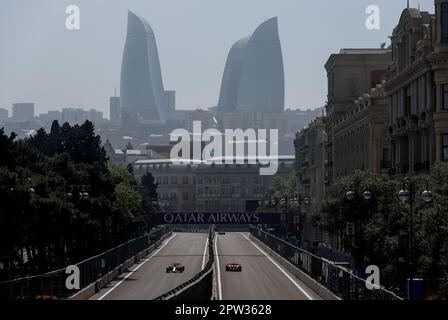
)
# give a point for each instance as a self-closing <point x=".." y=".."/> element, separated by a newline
<point x="217" y="218"/>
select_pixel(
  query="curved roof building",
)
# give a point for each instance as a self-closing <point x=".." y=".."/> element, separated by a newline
<point x="253" y="78"/>
<point x="141" y="86"/>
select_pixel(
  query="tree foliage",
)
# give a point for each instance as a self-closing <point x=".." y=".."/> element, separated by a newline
<point x="45" y="221"/>
<point x="381" y="219"/>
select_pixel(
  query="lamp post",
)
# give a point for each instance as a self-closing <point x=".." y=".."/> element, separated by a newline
<point x="77" y="194"/>
<point x="299" y="200"/>
<point x="353" y="195"/>
<point x="284" y="202"/>
<point x="408" y="194"/>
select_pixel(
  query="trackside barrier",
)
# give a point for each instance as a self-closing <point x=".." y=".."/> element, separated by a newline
<point x="104" y="281"/>
<point x="200" y="287"/>
<point x="94" y="272"/>
<point x="336" y="279"/>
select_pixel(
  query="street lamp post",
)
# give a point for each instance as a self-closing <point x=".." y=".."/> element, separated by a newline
<point x="354" y="196"/>
<point x="408" y="194"/>
<point x="299" y="200"/>
<point x="77" y="194"/>
<point x="284" y="203"/>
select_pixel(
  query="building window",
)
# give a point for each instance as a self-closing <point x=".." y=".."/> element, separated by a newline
<point x="444" y="19"/>
<point x="445" y="147"/>
<point x="387" y="155"/>
<point x="445" y="97"/>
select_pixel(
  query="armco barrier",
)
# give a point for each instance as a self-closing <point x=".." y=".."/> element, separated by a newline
<point x="317" y="288"/>
<point x="200" y="287"/>
<point x="52" y="285"/>
<point x="335" y="279"/>
<point x="104" y="281"/>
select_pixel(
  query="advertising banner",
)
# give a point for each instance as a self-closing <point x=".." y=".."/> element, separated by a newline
<point x="217" y="218"/>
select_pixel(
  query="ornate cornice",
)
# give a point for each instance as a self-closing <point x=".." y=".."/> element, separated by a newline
<point x="410" y="74"/>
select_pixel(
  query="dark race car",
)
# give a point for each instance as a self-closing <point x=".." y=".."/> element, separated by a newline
<point x="175" y="268"/>
<point x="233" y="267"/>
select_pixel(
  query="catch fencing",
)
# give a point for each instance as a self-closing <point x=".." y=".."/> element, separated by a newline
<point x="52" y="285"/>
<point x="335" y="278"/>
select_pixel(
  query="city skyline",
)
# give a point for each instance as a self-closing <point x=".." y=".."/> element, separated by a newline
<point x="250" y="200"/>
<point x="98" y="47"/>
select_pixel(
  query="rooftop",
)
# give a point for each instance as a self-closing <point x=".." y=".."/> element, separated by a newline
<point x="364" y="51"/>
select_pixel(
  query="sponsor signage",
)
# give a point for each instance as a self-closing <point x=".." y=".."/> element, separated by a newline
<point x="216" y="218"/>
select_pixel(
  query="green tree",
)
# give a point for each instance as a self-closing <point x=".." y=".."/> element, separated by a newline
<point x="384" y="216"/>
<point x="44" y="223"/>
<point x="149" y="187"/>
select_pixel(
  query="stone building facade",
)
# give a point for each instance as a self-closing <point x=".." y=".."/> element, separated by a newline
<point x="361" y="140"/>
<point x="351" y="73"/>
<point x="417" y="83"/>
<point x="310" y="169"/>
<point x="210" y="187"/>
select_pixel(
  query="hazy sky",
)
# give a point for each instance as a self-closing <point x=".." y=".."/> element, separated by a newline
<point x="43" y="62"/>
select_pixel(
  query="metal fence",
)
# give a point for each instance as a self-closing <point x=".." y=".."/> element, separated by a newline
<point x="335" y="278"/>
<point x="200" y="287"/>
<point x="52" y="285"/>
<point x="334" y="255"/>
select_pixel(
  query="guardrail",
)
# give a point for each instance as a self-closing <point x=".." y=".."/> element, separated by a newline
<point x="200" y="287"/>
<point x="336" y="279"/>
<point x="52" y="285"/>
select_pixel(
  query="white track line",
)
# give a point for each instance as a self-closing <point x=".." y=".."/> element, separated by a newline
<point x="217" y="269"/>
<point x="138" y="267"/>
<point x="280" y="268"/>
<point x="205" y="253"/>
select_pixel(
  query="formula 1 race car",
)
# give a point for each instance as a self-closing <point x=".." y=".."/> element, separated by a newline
<point x="233" y="267"/>
<point x="175" y="268"/>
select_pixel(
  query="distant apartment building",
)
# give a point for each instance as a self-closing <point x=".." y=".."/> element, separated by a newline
<point x="310" y="164"/>
<point x="115" y="110"/>
<point x="4" y="114"/>
<point x="69" y="115"/>
<point x="95" y="116"/>
<point x="417" y="84"/>
<point x="203" y="116"/>
<point x="50" y="116"/>
<point x="79" y="116"/>
<point x="210" y="187"/>
<point x="351" y="73"/>
<point x="286" y="122"/>
<point x="22" y="112"/>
